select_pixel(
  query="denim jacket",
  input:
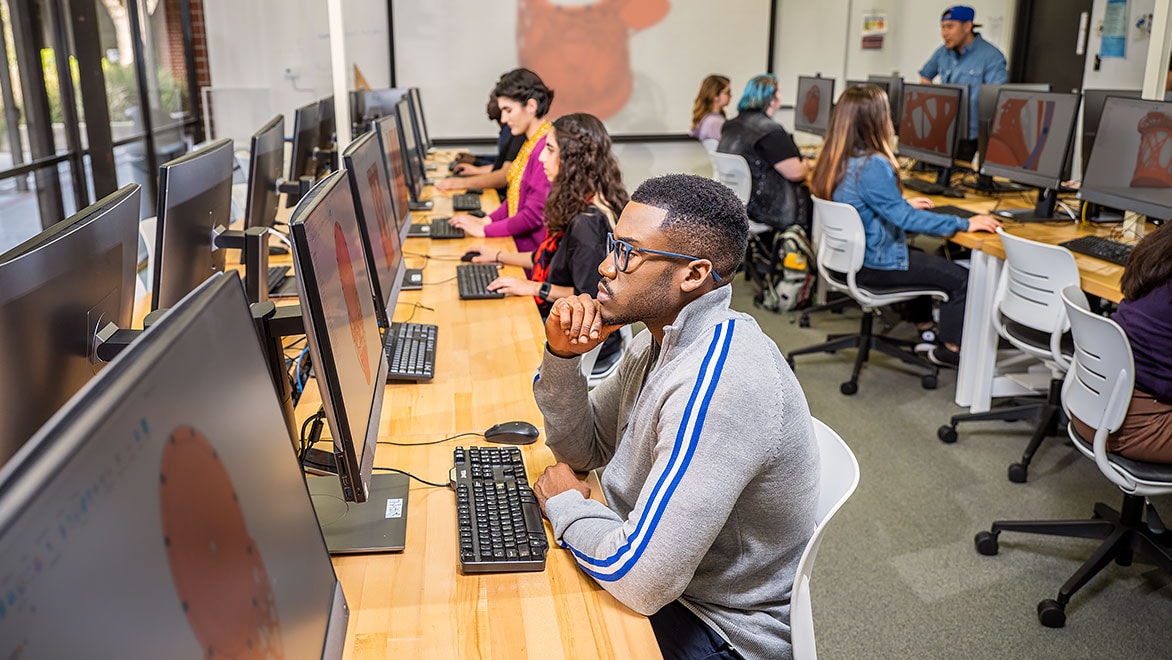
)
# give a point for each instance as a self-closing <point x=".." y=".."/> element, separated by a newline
<point x="871" y="186"/>
<point x="980" y="63"/>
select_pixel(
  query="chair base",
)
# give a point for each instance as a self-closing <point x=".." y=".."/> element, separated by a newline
<point x="865" y="341"/>
<point x="1048" y="413"/>
<point x="1124" y="534"/>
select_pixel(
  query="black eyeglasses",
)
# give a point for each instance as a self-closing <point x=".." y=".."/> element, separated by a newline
<point x="622" y="254"/>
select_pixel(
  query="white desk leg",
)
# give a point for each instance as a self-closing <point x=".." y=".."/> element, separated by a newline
<point x="978" y="351"/>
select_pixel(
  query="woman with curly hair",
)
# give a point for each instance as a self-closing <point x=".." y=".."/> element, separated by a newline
<point x="586" y="196"/>
<point x="708" y="109"/>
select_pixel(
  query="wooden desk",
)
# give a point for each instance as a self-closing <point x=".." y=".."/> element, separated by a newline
<point x="416" y="603"/>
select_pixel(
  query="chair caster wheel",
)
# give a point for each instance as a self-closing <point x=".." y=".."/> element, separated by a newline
<point x="928" y="382"/>
<point x="803" y="321"/>
<point x="1051" y="613"/>
<point x="986" y="543"/>
<point x="848" y="388"/>
<point x="947" y="434"/>
<point x="1018" y="473"/>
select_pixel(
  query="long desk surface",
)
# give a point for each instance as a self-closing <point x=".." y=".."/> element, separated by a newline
<point x="417" y="603"/>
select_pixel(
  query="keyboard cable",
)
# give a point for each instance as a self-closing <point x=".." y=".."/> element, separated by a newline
<point x="408" y="474"/>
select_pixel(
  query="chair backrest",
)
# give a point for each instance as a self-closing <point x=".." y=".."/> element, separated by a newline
<point x="1034" y="277"/>
<point x="841" y="239"/>
<point x="733" y="171"/>
<point x="710" y="144"/>
<point x="838" y="478"/>
<point x="589" y="359"/>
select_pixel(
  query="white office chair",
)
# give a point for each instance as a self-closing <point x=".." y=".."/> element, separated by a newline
<point x="1097" y="390"/>
<point x="1031" y="317"/>
<point x="838" y="478"/>
<point x="710" y="144"/>
<point x="840" y="256"/>
<point x="733" y="171"/>
<point x="595" y="373"/>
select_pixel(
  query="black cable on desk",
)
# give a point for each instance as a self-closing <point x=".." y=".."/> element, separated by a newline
<point x="430" y="442"/>
<point x="408" y="474"/>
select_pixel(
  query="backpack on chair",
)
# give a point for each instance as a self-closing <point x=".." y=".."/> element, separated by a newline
<point x="781" y="264"/>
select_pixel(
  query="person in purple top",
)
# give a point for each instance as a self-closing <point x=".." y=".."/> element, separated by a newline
<point x="1146" y="317"/>
<point x="524" y="101"/>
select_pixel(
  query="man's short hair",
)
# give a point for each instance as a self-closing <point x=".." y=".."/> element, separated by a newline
<point x="704" y="218"/>
<point x="522" y="85"/>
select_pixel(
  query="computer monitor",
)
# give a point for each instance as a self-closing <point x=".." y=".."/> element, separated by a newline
<point x="1030" y="140"/>
<point x="813" y="103"/>
<point x="929" y="117"/>
<point x="161" y="514"/>
<point x="265" y="163"/>
<point x="57" y="290"/>
<point x="1128" y="168"/>
<point x="893" y="85"/>
<point x="387" y="130"/>
<point x="366" y="167"/>
<point x="195" y="197"/>
<point x="1092" y="110"/>
<point x="306" y="128"/>
<point x="412" y="157"/>
<point x="987" y="104"/>
<point x="420" y="118"/>
<point x="326" y="124"/>
<point x="379" y="102"/>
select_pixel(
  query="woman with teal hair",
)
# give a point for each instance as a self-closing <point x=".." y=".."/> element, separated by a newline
<point x="779" y="198"/>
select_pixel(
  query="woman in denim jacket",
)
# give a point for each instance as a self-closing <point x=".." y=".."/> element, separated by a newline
<point x="858" y="167"/>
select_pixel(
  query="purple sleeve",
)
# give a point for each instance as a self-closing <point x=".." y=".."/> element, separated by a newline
<point x="530" y="215"/>
<point x="500" y="212"/>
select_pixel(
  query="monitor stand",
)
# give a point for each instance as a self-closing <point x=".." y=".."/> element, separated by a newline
<point x="986" y="184"/>
<point x="377" y="525"/>
<point x="419" y="206"/>
<point x="412" y="279"/>
<point x="1043" y="211"/>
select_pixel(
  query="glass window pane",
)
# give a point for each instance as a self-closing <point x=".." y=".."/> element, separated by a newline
<point x="19" y="215"/>
<point x="118" y="68"/>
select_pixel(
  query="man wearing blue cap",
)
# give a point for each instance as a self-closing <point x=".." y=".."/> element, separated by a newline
<point x="965" y="59"/>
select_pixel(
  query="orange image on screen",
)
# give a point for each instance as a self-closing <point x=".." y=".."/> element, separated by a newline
<point x="353" y="301"/>
<point x="380" y="211"/>
<point x="1020" y="132"/>
<point x="1153" y="166"/>
<point x="926" y="120"/>
<point x="810" y="104"/>
<point x="582" y="52"/>
<point x="216" y="566"/>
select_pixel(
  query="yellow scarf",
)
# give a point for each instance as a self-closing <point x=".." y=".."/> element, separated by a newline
<point x="513" y="197"/>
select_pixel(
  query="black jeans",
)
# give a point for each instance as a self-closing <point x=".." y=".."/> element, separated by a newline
<point x="683" y="636"/>
<point x="931" y="272"/>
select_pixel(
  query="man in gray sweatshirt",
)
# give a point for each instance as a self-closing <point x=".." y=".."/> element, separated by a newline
<point x="711" y="464"/>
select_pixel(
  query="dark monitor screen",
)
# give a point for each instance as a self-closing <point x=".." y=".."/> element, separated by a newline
<point x="367" y="172"/>
<point x="412" y="158"/>
<point x="893" y="85"/>
<point x="160" y="500"/>
<point x="1030" y="136"/>
<point x="420" y="117"/>
<point x="57" y="290"/>
<point x="341" y="324"/>
<point x="387" y="130"/>
<point x="987" y="104"/>
<point x="929" y="115"/>
<point x="326" y="123"/>
<point x="1092" y="110"/>
<point x="265" y="164"/>
<point x="813" y="103"/>
<point x="379" y="102"/>
<point x="195" y="196"/>
<point x="1128" y="168"/>
<point x="306" y="126"/>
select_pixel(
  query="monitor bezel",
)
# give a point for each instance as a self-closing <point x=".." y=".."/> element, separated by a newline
<point x="421" y="120"/>
<point x="306" y="124"/>
<point x="1112" y="200"/>
<point x="271" y="135"/>
<point x="1017" y="175"/>
<point x="925" y="155"/>
<point x="412" y="159"/>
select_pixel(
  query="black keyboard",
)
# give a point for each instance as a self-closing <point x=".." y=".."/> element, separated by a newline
<point x="276" y="274"/>
<point x="410" y="351"/>
<point x="1100" y="248"/>
<point x="498" y="521"/>
<point x="473" y="281"/>
<point x="466" y="202"/>
<point x="953" y="210"/>
<point x="922" y="186"/>
<point x="437" y="228"/>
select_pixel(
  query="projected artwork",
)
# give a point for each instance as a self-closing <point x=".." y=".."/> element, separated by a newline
<point x="1153" y="167"/>
<point x="353" y="300"/>
<point x="926" y="120"/>
<point x="582" y="51"/>
<point x="216" y="566"/>
<point x="1020" y="132"/>
<point x="810" y="104"/>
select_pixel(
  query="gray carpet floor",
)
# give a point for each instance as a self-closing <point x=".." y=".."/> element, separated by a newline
<point x="897" y="575"/>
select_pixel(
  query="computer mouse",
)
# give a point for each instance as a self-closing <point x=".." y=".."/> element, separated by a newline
<point x="512" y="433"/>
<point x="469" y="256"/>
<point x="477" y="213"/>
